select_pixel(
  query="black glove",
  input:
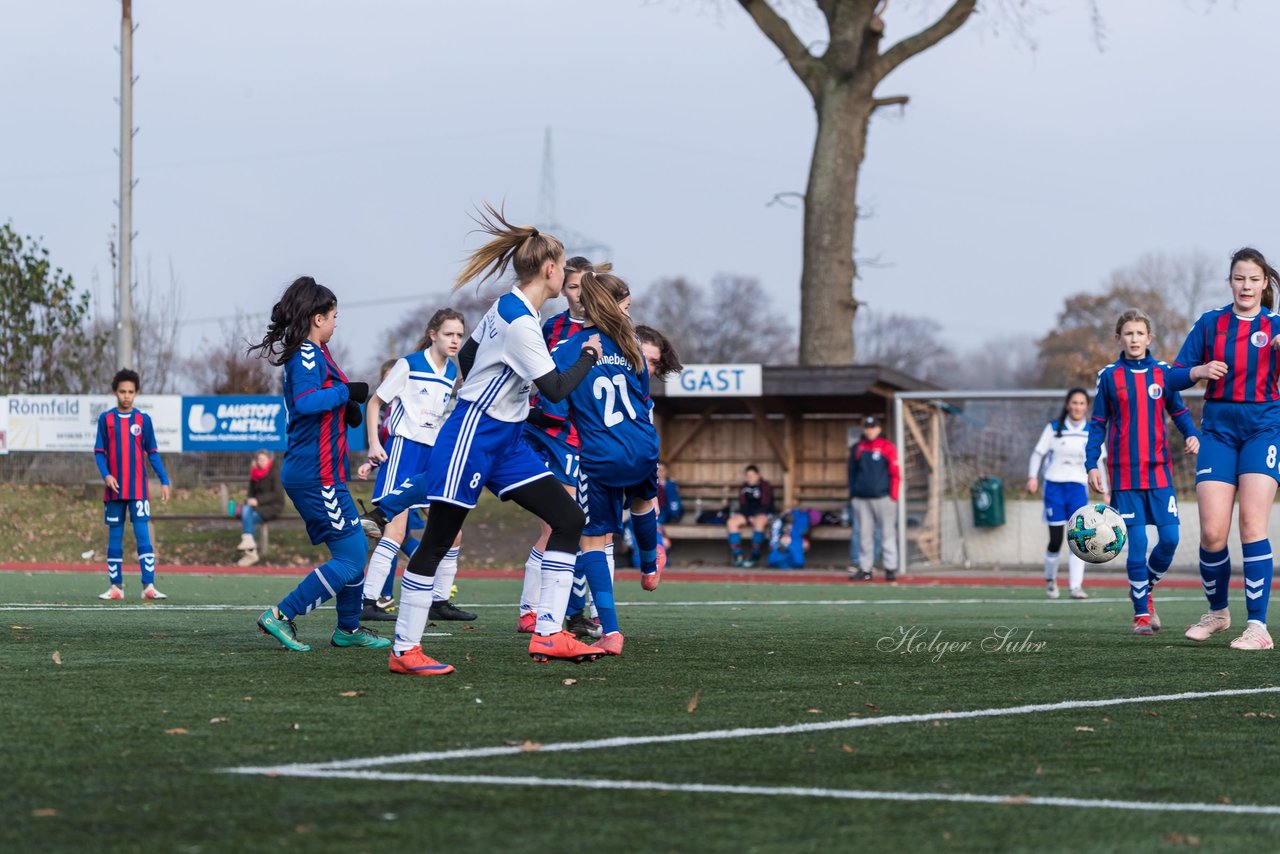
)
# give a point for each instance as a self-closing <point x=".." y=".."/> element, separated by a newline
<point x="353" y="416"/>
<point x="359" y="392"/>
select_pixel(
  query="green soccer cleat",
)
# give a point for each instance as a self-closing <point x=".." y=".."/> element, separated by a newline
<point x="360" y="637"/>
<point x="282" y="630"/>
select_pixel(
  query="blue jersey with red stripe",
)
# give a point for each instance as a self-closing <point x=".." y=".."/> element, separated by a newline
<point x="315" y="394"/>
<point x="558" y="328"/>
<point x="1244" y="343"/>
<point x="1128" y="413"/>
<point x="126" y="440"/>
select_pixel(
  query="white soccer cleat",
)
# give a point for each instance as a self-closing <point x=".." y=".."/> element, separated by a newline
<point x="1255" y="636"/>
<point x="1051" y="589"/>
<point x="150" y="592"/>
<point x="1210" y="624"/>
<point x="113" y="593"/>
<point x="1078" y="593"/>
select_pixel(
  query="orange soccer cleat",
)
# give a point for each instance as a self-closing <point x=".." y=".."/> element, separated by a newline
<point x="562" y="646"/>
<point x="527" y="621"/>
<point x="414" y="662"/>
<point x="653" y="579"/>
<point x="610" y="643"/>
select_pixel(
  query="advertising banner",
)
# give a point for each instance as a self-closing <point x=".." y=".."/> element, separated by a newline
<point x="69" y="422"/>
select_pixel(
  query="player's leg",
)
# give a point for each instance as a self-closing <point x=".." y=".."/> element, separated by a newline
<point x="140" y="513"/>
<point x="1257" y="492"/>
<point x="1215" y="499"/>
<point x="442" y="607"/>
<point x="759" y="535"/>
<point x="405" y="460"/>
<point x="1052" y="559"/>
<point x="731" y="527"/>
<point x="1136" y="570"/>
<point x="380" y="570"/>
<point x="113" y="514"/>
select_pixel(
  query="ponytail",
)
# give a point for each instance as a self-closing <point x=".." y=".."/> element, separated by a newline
<point x="601" y="293"/>
<point x="520" y="246"/>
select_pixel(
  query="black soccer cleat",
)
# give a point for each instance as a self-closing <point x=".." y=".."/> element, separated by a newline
<point x="374" y="523"/>
<point x="446" y="610"/>
<point x="373" y="614"/>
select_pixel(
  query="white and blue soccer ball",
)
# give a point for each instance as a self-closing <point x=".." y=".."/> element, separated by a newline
<point x="1096" y="533"/>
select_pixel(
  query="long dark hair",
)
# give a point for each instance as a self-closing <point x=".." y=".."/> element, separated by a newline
<point x="291" y="319"/>
<point x="437" y="320"/>
<point x="1062" y="416"/>
<point x="668" y="358"/>
<point x="1272" y="287"/>
<point x="601" y="293"/>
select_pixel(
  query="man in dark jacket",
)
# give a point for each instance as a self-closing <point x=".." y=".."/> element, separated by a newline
<point x="873" y="488"/>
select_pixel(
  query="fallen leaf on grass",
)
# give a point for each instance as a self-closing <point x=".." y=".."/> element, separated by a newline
<point x="175" y="731"/>
<point x="1084" y="729"/>
<point x="847" y="748"/>
<point x="693" y="701"/>
<point x="814" y="711"/>
<point x="45" y="812"/>
<point x="1016" y="799"/>
<point x="57" y="657"/>
<point x="351" y="694"/>
<point x="569" y="682"/>
<point x="530" y="746"/>
<point x="1223" y="799"/>
<point x="218" y="720"/>
<point x="872" y="706"/>
<point x="1176" y="838"/>
<point x="21" y="628"/>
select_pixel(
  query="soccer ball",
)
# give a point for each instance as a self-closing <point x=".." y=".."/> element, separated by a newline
<point x="1096" y="533"/>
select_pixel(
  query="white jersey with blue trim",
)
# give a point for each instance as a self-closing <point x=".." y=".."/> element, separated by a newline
<point x="511" y="355"/>
<point x="1062" y="456"/>
<point x="421" y="396"/>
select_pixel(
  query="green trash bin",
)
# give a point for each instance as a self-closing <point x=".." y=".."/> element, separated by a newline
<point x="987" y="495"/>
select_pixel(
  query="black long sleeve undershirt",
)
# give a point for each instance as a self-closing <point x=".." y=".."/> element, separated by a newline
<point x="555" y="386"/>
<point x="467" y="357"/>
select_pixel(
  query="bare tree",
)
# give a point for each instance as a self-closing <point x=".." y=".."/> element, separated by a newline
<point x="907" y="343"/>
<point x="1193" y="282"/>
<point x="401" y="338"/>
<point x="733" y="321"/>
<point x="222" y="365"/>
<point x="1005" y="363"/>
<point x="842" y="80"/>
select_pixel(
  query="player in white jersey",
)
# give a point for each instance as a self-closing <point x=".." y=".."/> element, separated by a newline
<point x="420" y="390"/>
<point x="1060" y="452"/>
<point x="481" y="445"/>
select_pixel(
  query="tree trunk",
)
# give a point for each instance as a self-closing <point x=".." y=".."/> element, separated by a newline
<point x="827" y="305"/>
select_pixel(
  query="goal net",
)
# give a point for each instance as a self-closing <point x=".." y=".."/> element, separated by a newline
<point x="949" y="441"/>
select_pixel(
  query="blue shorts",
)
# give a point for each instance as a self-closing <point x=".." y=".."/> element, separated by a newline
<point x="561" y="457"/>
<point x="114" y="512"/>
<point x="1236" y="439"/>
<point x="606" y="503"/>
<point x="329" y="512"/>
<point x="475" y="451"/>
<point x="405" y="458"/>
<point x="1157" y="507"/>
<point x="1063" y="499"/>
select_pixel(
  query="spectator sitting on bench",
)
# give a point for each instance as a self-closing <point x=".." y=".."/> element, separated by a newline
<point x="265" y="502"/>
<point x="754" y="506"/>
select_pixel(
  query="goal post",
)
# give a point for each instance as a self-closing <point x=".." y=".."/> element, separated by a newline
<point x="950" y="439"/>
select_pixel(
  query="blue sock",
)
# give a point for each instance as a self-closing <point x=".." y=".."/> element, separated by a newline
<point x="646" y="532"/>
<point x="1162" y="555"/>
<point x="578" y="593"/>
<point x="326" y="581"/>
<point x="1215" y="573"/>
<point x="1136" y="568"/>
<point x="115" y="554"/>
<point x="1257" y="579"/>
<point x="595" y="568"/>
<point x="146" y="553"/>
<point x="757" y="544"/>
<point x="735" y="544"/>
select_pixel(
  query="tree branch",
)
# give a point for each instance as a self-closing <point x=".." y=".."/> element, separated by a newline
<point x="778" y="31"/>
<point x="892" y="100"/>
<point x="950" y="21"/>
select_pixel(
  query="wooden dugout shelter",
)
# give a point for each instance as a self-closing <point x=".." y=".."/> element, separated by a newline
<point x="797" y="431"/>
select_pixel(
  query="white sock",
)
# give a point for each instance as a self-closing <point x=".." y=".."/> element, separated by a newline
<point x="1051" y="562"/>
<point x="1075" y="571"/>
<point x="415" y="605"/>
<point x="553" y="599"/>
<point x="445" y="573"/>
<point x="608" y="556"/>
<point x="532" y="582"/>
<point x="380" y="567"/>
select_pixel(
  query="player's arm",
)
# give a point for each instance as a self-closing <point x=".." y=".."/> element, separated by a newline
<point x="895" y="474"/>
<point x="1037" y="458"/>
<point x="153" y="455"/>
<point x="1098" y="432"/>
<point x="1193" y="364"/>
<point x="1183" y="421"/>
<point x="100" y="455"/>
<point x="467" y="358"/>
<point x="309" y="396"/>
<point x="526" y="352"/>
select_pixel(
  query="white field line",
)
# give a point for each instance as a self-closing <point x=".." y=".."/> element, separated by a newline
<point x="787" y="791"/>
<point x="740" y="732"/>
<point x="27" y="606"/>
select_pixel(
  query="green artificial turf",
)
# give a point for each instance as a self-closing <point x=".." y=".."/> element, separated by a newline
<point x="121" y="745"/>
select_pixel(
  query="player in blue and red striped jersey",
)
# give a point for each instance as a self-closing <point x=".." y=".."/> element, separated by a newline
<point x="1234" y="348"/>
<point x="320" y="404"/>
<point x="126" y="442"/>
<point x="1134" y="393"/>
<point x="551" y="434"/>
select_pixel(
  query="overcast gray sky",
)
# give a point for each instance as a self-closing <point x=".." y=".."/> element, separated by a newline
<point x="350" y="140"/>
